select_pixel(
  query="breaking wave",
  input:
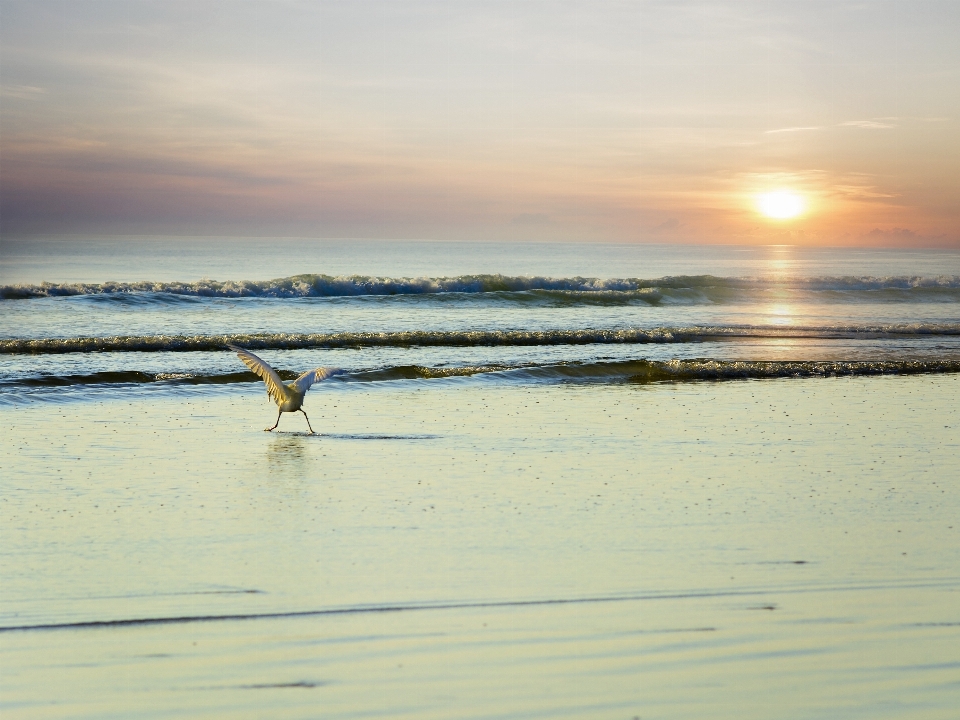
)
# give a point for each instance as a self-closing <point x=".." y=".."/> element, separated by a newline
<point x="465" y="338"/>
<point x="684" y="288"/>
<point x="630" y="371"/>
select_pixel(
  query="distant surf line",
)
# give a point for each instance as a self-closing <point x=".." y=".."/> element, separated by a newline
<point x="328" y="286"/>
<point x="618" y="371"/>
<point x="464" y="338"/>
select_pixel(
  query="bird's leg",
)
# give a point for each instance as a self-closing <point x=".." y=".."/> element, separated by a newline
<point x="275" y="424"/>
<point x="308" y="420"/>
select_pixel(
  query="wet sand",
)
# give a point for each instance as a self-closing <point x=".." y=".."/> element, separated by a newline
<point x="460" y="548"/>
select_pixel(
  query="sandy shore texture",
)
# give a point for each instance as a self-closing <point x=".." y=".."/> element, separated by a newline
<point x="456" y="548"/>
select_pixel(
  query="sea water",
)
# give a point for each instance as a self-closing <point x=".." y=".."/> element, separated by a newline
<point x="565" y="480"/>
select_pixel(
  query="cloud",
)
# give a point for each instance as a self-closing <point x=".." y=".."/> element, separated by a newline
<point x="668" y="225"/>
<point x="792" y="129"/>
<point x="870" y="124"/>
<point x="22" y="92"/>
<point x="860" y="191"/>
<point x="905" y="238"/>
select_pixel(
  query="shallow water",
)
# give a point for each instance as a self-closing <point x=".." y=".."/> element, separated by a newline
<point x="459" y="548"/>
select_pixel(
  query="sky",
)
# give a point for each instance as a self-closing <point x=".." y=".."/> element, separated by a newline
<point x="638" y="121"/>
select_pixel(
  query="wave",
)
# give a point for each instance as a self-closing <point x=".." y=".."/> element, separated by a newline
<point x="630" y="371"/>
<point x="683" y="288"/>
<point x="476" y="338"/>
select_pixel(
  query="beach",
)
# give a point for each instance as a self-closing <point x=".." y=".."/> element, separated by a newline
<point x="462" y="548"/>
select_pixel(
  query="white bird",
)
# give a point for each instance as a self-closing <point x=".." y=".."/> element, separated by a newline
<point x="288" y="397"/>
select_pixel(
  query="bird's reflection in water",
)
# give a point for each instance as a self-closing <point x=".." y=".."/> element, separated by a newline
<point x="287" y="456"/>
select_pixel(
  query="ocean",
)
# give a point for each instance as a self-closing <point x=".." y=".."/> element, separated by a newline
<point x="548" y="480"/>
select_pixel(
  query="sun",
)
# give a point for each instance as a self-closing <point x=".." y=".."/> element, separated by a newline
<point x="780" y="205"/>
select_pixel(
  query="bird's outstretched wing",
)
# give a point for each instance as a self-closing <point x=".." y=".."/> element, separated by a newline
<point x="275" y="387"/>
<point x="303" y="383"/>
